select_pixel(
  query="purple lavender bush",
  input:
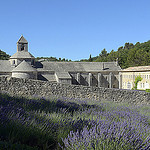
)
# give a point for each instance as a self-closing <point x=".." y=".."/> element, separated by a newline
<point x="71" y="124"/>
<point x="119" y="129"/>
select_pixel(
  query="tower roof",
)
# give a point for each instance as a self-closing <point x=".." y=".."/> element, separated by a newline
<point x="24" y="67"/>
<point x="22" y="54"/>
<point x="22" y="40"/>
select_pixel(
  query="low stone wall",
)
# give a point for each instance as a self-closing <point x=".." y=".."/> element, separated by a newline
<point x="27" y="87"/>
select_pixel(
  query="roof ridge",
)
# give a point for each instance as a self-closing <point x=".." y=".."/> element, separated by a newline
<point x="24" y="66"/>
<point x="22" y="40"/>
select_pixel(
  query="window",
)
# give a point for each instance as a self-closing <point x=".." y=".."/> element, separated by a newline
<point x="147" y="76"/>
<point x="32" y="62"/>
<point x="146" y="85"/>
<point x="143" y="85"/>
<point x="128" y="85"/>
<point x="13" y="62"/>
<point x="22" y="47"/>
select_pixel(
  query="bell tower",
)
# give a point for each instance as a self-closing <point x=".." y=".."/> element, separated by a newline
<point x="22" y="44"/>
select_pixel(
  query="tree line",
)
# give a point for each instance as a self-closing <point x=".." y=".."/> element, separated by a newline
<point x="129" y="55"/>
<point x="52" y="59"/>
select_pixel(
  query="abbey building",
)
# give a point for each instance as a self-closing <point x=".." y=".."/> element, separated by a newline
<point x="23" y="65"/>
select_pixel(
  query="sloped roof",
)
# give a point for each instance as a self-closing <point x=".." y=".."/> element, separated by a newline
<point x="24" y="67"/>
<point x="22" y="40"/>
<point x="78" y="66"/>
<point x="63" y="75"/>
<point x="5" y="66"/>
<point x="22" y="54"/>
<point x="138" y="68"/>
<point x="49" y="77"/>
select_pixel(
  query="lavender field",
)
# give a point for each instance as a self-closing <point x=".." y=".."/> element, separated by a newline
<point x="72" y="124"/>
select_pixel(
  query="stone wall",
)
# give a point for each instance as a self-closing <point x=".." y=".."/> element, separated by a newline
<point x="27" y="87"/>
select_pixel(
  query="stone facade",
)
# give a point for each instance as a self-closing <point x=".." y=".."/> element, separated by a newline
<point x="22" y="65"/>
<point x="31" y="88"/>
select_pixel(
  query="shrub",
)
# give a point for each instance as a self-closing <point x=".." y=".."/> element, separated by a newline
<point x="148" y="90"/>
<point x="137" y="79"/>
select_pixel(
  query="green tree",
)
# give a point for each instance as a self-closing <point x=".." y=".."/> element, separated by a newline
<point x="137" y="79"/>
<point x="63" y="59"/>
<point x="103" y="53"/>
<point x="3" y="55"/>
<point x="112" y="56"/>
<point x="90" y="58"/>
<point x="102" y="56"/>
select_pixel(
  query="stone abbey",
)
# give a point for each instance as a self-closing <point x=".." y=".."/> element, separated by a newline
<point x="23" y="65"/>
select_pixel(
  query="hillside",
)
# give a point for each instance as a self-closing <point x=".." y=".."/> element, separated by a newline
<point x="128" y="55"/>
<point x="3" y="55"/>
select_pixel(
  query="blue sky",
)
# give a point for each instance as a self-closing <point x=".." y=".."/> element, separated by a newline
<point x="73" y="29"/>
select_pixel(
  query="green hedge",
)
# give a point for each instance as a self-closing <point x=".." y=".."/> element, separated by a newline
<point x="147" y="90"/>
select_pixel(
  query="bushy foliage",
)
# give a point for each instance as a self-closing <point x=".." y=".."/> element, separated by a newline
<point x="147" y="90"/>
<point x="137" y="80"/>
<point x="52" y="59"/>
<point x="3" y="55"/>
<point x="63" y="123"/>
<point x="129" y="55"/>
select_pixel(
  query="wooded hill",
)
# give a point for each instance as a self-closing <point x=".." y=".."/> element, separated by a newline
<point x="3" y="55"/>
<point x="128" y="55"/>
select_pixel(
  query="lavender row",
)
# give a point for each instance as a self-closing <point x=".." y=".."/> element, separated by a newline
<point x="72" y="124"/>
